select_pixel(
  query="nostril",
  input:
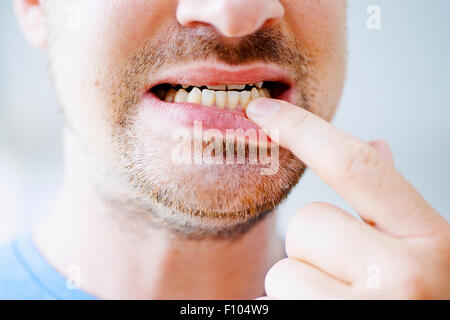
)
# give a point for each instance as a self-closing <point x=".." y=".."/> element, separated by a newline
<point x="194" y="24"/>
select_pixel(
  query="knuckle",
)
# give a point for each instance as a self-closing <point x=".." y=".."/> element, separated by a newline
<point x="273" y="277"/>
<point x="412" y="283"/>
<point x="302" y="222"/>
<point x="296" y="125"/>
<point x="360" y="160"/>
<point x="310" y="210"/>
<point x="305" y="217"/>
<point x="294" y="128"/>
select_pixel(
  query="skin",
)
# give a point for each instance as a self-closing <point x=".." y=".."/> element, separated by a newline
<point x="129" y="244"/>
<point x="330" y="253"/>
<point x="119" y="49"/>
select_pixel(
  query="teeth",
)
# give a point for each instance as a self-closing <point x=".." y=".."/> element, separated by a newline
<point x="244" y="98"/>
<point x="181" y="96"/>
<point x="170" y="97"/>
<point x="218" y="88"/>
<point x="236" y="86"/>
<point x="185" y="86"/>
<point x="195" y="96"/>
<point x="221" y="99"/>
<point x="208" y="97"/>
<point x="254" y="94"/>
<point x="233" y="99"/>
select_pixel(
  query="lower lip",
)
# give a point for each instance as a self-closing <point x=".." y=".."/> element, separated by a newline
<point x="186" y="114"/>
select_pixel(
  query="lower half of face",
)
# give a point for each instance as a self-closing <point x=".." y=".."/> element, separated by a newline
<point x="202" y="186"/>
<point x="201" y="166"/>
<point x="164" y="111"/>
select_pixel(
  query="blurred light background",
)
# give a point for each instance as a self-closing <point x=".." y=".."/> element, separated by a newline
<point x="398" y="89"/>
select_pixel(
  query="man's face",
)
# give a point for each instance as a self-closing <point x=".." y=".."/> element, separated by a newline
<point x="115" y="65"/>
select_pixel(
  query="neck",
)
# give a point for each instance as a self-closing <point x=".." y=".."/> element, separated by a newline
<point x="121" y="256"/>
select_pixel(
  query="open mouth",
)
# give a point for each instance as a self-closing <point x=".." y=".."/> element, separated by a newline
<point x="213" y="94"/>
<point x="225" y="96"/>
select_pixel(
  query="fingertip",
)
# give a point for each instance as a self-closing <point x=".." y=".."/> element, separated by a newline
<point x="262" y="108"/>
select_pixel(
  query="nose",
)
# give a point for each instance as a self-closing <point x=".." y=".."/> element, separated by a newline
<point x="232" y="18"/>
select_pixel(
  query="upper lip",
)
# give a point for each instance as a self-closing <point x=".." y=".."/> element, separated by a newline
<point x="209" y="74"/>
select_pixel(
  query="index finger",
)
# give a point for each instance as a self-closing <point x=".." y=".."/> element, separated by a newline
<point x="353" y="168"/>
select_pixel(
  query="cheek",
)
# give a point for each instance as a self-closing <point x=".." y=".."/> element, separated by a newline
<point x="321" y="28"/>
<point x="90" y="43"/>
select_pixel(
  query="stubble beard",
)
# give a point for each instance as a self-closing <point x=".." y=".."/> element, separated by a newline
<point x="195" y="201"/>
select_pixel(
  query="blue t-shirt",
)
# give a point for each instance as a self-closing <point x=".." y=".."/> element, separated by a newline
<point x="25" y="275"/>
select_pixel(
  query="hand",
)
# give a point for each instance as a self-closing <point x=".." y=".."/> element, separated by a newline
<point x="401" y="249"/>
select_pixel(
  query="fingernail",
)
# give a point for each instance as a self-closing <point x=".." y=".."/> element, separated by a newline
<point x="262" y="108"/>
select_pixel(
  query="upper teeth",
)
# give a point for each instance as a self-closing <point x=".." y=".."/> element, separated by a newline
<point x="218" y="95"/>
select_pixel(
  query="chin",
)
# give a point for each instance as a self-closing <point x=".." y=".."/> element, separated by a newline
<point x="201" y="200"/>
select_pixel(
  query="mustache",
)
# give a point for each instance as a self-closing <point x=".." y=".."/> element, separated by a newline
<point x="179" y="44"/>
<point x="266" y="45"/>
